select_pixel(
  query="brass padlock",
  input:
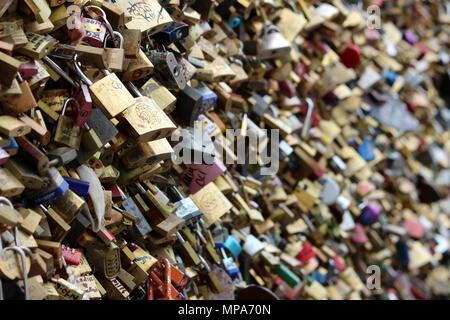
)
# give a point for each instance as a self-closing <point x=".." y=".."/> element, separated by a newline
<point x="138" y="68"/>
<point x="147" y="15"/>
<point x="67" y="133"/>
<point x="115" y="56"/>
<point x="145" y="120"/>
<point x="23" y="102"/>
<point x="108" y="93"/>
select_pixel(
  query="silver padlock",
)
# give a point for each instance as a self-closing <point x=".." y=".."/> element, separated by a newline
<point x="274" y="45"/>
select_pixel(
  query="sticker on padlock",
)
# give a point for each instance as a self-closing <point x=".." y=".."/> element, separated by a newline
<point x="95" y="32"/>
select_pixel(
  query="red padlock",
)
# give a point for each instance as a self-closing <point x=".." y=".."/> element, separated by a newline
<point x="95" y="32"/>
<point x="85" y="103"/>
<point x="71" y="256"/>
<point x="351" y="57"/>
<point x="287" y="88"/>
<point x="306" y="253"/>
<point x="178" y="279"/>
<point x="162" y="290"/>
<point x="28" y="69"/>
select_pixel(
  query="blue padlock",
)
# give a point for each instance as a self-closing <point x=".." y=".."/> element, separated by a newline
<point x="81" y="188"/>
<point x="402" y="251"/>
<point x="319" y="277"/>
<point x="233" y="246"/>
<point x="57" y="187"/>
<point x="391" y="76"/>
<point x="174" y="33"/>
<point x="366" y="150"/>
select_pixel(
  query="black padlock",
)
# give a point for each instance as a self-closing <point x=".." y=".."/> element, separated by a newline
<point x="192" y="102"/>
<point x="174" y="33"/>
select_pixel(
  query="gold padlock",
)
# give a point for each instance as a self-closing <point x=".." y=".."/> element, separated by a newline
<point x="67" y="133"/>
<point x="108" y="93"/>
<point x="146" y="120"/>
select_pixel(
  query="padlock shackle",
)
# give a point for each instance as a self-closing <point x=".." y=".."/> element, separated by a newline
<point x="66" y="103"/>
<point x="115" y="34"/>
<point x="60" y="71"/>
<point x="80" y="72"/>
<point x="7" y="201"/>
<point x="134" y="90"/>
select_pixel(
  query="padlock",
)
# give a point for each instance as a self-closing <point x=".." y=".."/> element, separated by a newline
<point x="145" y="120"/>
<point x="147" y="153"/>
<point x="30" y="179"/>
<point x="82" y="95"/>
<point x="66" y="132"/>
<point x="148" y="16"/>
<point x="287" y="275"/>
<point x="109" y="93"/>
<point x="10" y="186"/>
<point x="57" y="186"/>
<point x="95" y="32"/>
<point x="13" y="147"/>
<point x="106" y="260"/>
<point x="23" y="102"/>
<point x="166" y="64"/>
<point x="34" y="155"/>
<point x="229" y="264"/>
<point x="185" y="207"/>
<point x="196" y="176"/>
<point x="176" y="32"/>
<point x="190" y="257"/>
<point x="252" y="246"/>
<point x="194" y="147"/>
<point x="370" y="214"/>
<point x="273" y="44"/>
<point x="78" y="186"/>
<point x="212" y="280"/>
<point x="142" y="226"/>
<point x="178" y="279"/>
<point x="103" y="127"/>
<point x="115" y="56"/>
<point x="71" y="256"/>
<point x="351" y="56"/>
<point x="132" y="43"/>
<point x="38" y="46"/>
<point x="10" y="66"/>
<point x="193" y="102"/>
<point x="330" y="191"/>
<point x="163" y="289"/>
<point x="138" y="68"/>
<point x="208" y="246"/>
<point x="90" y="141"/>
<point x="232" y="244"/>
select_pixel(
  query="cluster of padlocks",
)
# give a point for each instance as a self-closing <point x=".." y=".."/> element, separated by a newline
<point x="217" y="149"/>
